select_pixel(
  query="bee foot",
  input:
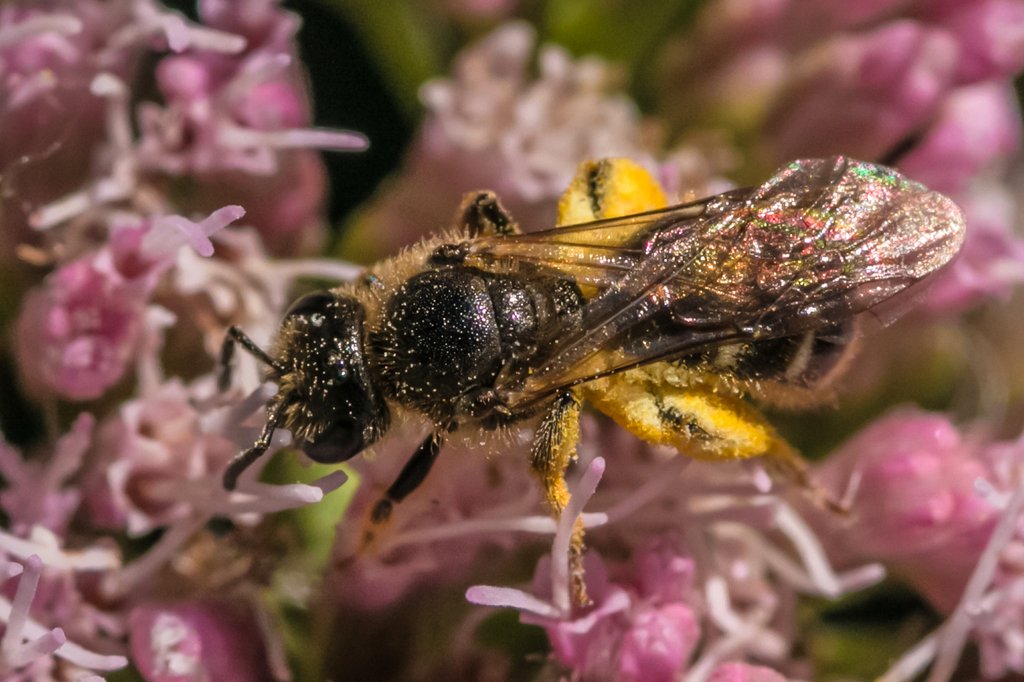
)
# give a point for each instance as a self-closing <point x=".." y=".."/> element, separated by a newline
<point x="381" y="511"/>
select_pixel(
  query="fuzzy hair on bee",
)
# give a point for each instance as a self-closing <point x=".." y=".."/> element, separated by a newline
<point x="665" y="318"/>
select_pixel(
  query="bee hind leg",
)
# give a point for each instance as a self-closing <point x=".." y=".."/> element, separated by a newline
<point x="554" y="447"/>
<point x="481" y="214"/>
<point x="703" y="423"/>
<point x="786" y="463"/>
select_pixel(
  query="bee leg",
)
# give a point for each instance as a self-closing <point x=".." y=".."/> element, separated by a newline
<point x="702" y="423"/>
<point x="554" y="447"/>
<point x="243" y="461"/>
<point x="227" y="355"/>
<point x="786" y="463"/>
<point x="481" y="214"/>
<point x="409" y="478"/>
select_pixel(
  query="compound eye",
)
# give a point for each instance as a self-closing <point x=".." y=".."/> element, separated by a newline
<point x="316" y="302"/>
<point x="342" y="441"/>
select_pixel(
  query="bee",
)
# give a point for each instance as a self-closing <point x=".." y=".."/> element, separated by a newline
<point x="665" y="318"/>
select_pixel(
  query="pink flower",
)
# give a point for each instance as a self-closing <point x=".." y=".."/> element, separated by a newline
<point x="44" y="613"/>
<point x="991" y="261"/>
<point x="642" y="625"/>
<point x="781" y="70"/>
<point x="38" y="490"/>
<point x="239" y="123"/>
<point x="27" y="647"/>
<point x="998" y="628"/>
<point x="198" y="640"/>
<point x="862" y="94"/>
<point x="77" y="333"/>
<point x="990" y="608"/>
<point x="146" y="454"/>
<point x="658" y="643"/>
<point x="54" y="117"/>
<point x="975" y="126"/>
<point x="45" y="65"/>
<point x="17" y="653"/>
<point x="990" y="35"/>
<point x="916" y="504"/>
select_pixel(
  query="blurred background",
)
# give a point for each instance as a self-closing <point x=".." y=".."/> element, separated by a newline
<point x="509" y="95"/>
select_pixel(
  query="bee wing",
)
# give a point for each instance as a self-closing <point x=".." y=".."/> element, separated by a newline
<point x="819" y="242"/>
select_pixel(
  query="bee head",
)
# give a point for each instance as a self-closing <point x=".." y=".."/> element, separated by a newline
<point x="325" y="389"/>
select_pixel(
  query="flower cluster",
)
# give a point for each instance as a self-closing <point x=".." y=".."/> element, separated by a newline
<point x="943" y="510"/>
<point x="491" y="125"/>
<point x="115" y="251"/>
<point x="162" y="180"/>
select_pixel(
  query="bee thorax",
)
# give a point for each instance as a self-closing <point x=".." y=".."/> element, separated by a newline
<point x="448" y="333"/>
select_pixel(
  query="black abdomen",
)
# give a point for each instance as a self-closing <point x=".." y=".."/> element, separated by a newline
<point x="448" y="333"/>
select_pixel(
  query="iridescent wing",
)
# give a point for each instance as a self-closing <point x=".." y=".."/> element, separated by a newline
<point x="819" y="242"/>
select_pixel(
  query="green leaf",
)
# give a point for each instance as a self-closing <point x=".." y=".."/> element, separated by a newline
<point x="315" y="523"/>
<point x="623" y="31"/>
<point x="408" y="43"/>
<point x="303" y="620"/>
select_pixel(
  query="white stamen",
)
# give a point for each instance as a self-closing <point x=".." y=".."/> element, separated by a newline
<point x="148" y="368"/>
<point x="801" y="580"/>
<point x="291" y="496"/>
<point x="861" y="577"/>
<point x="296" y="138"/>
<point x="153" y="19"/>
<point x="990" y="493"/>
<point x="44" y="544"/>
<point x="217" y="418"/>
<point x="182" y="35"/>
<point x="26" y="592"/>
<point x="69" y="651"/>
<point x="539" y="525"/>
<point x="169" y="233"/>
<point x="119" y="126"/>
<point x="121" y="182"/>
<point x="719" y="651"/>
<point x="716" y="591"/>
<point x="255" y="70"/>
<point x="10" y="569"/>
<point x="648" y="492"/>
<point x="957" y="628"/>
<point x="563" y="536"/>
<point x="852" y="488"/>
<point x="760" y="478"/>
<point x="64" y="24"/>
<point x="485" y="595"/>
<point x="141" y="569"/>
<point x="617" y="600"/>
<point x="809" y="549"/>
<point x="910" y="665"/>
